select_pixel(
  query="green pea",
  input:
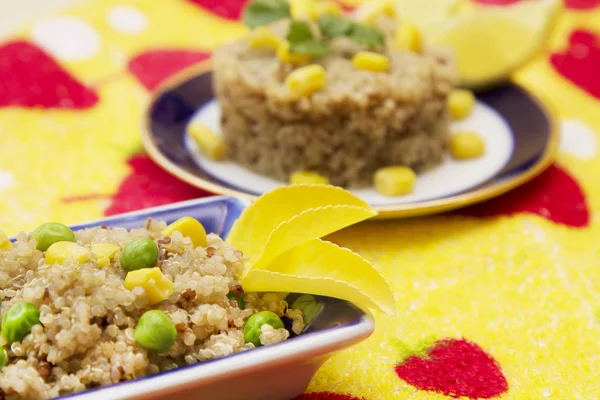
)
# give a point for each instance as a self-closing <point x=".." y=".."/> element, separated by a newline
<point x="141" y="253"/>
<point x="3" y="357"/>
<point x="252" y="330"/>
<point x="309" y="306"/>
<point x="155" y="331"/>
<point x="51" y="232"/>
<point x="18" y="321"/>
<point x="240" y="299"/>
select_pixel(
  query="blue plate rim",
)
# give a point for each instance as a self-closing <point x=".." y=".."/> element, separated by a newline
<point x="477" y="194"/>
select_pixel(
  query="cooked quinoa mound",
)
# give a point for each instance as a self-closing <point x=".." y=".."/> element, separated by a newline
<point x="88" y="318"/>
<point x="359" y="122"/>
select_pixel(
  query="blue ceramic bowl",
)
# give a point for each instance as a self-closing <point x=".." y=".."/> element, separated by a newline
<point x="277" y="372"/>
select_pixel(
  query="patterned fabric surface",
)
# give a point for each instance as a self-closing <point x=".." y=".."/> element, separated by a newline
<point x="499" y="300"/>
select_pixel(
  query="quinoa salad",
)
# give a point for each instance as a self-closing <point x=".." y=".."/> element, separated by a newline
<point x="103" y="305"/>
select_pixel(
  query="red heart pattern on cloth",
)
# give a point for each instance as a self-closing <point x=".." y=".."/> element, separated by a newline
<point x="326" y="396"/>
<point x="457" y="368"/>
<point x="582" y="4"/>
<point x="229" y="9"/>
<point x="149" y="186"/>
<point x="554" y="195"/>
<point x="154" y="66"/>
<point x="580" y="62"/>
<point x="570" y="4"/>
<point x="31" y="78"/>
<point x="497" y="2"/>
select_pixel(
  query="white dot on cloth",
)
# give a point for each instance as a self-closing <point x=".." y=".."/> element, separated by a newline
<point x="126" y="19"/>
<point x="67" y="38"/>
<point x="7" y="180"/>
<point x="578" y="139"/>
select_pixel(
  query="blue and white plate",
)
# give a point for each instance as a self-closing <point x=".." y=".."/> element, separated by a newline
<point x="519" y="133"/>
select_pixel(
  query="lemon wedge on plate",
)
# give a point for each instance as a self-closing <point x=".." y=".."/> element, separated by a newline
<point x="489" y="42"/>
<point x="280" y="235"/>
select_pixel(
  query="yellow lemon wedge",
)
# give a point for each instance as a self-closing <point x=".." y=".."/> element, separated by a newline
<point x="491" y="42"/>
<point x="250" y="232"/>
<point x="309" y="224"/>
<point x="425" y="13"/>
<point x="322" y="268"/>
<point x="280" y="234"/>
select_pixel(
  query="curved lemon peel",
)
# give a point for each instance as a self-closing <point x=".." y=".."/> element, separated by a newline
<point x="254" y="226"/>
<point x="310" y="224"/>
<point x="314" y="268"/>
<point x="280" y="233"/>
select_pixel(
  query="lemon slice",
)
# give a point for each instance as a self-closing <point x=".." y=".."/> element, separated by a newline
<point x="310" y="224"/>
<point x="426" y="13"/>
<point x="322" y="268"/>
<point x="491" y="42"/>
<point x="250" y="232"/>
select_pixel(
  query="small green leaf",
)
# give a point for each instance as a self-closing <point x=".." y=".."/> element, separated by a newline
<point x="299" y="32"/>
<point x="333" y="26"/>
<point x="310" y="47"/>
<point x="367" y="36"/>
<point x="302" y="40"/>
<point x="263" y="12"/>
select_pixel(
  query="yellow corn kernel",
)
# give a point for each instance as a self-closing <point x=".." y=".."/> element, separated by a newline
<point x="157" y="286"/>
<point x="5" y="244"/>
<point x="371" y="61"/>
<point x="466" y="145"/>
<point x="395" y="181"/>
<point x="283" y="53"/>
<point x="104" y="252"/>
<point x="189" y="227"/>
<point x="211" y="144"/>
<point x="263" y="38"/>
<point x="370" y="11"/>
<point x="328" y="7"/>
<point x="408" y="37"/>
<point x="303" y="9"/>
<point x="300" y="177"/>
<point x="460" y="103"/>
<point x="59" y="252"/>
<point x="307" y="80"/>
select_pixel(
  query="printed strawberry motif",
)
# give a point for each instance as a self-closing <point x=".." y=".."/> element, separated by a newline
<point x="31" y="78"/>
<point x="229" y="9"/>
<point x="570" y="4"/>
<point x="453" y="367"/>
<point x="154" y="66"/>
<point x="150" y="186"/>
<point x="326" y="396"/>
<point x="497" y="2"/>
<point x="580" y="62"/>
<point x="554" y="195"/>
<point x="582" y="4"/>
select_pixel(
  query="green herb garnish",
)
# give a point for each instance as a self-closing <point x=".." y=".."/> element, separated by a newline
<point x="299" y="32"/>
<point x="263" y="12"/>
<point x="333" y="26"/>
<point x="302" y="40"/>
<point x="367" y="36"/>
<point x="313" y="48"/>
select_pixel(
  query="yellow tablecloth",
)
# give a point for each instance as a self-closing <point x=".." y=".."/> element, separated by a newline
<point x="519" y="284"/>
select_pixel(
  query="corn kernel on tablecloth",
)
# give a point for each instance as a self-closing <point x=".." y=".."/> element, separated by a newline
<point x="498" y="301"/>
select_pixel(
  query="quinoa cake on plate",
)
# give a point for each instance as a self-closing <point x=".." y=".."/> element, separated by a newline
<point x="377" y="98"/>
